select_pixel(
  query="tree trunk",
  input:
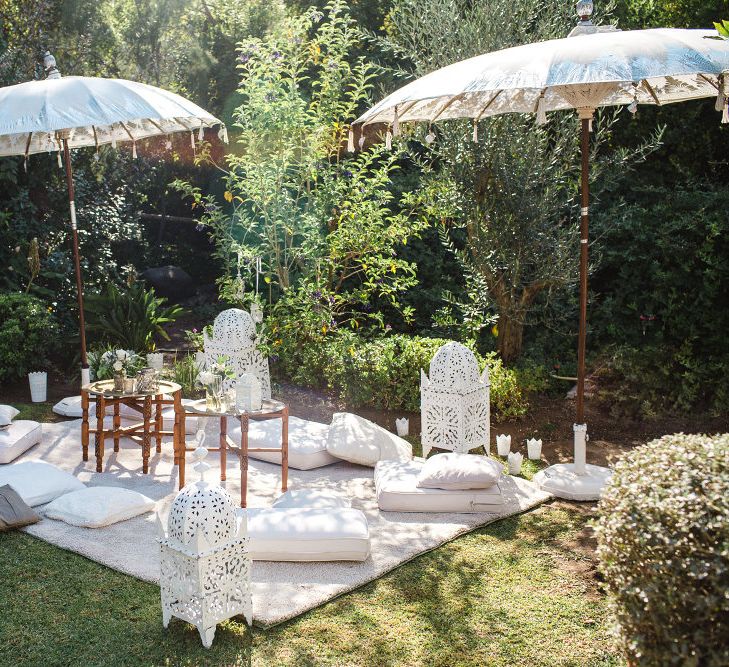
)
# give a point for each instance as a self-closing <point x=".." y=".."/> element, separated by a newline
<point x="511" y="334"/>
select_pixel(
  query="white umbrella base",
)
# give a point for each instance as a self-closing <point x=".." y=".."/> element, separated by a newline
<point x="562" y="481"/>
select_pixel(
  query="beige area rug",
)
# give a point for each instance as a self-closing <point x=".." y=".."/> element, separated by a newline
<point x="280" y="590"/>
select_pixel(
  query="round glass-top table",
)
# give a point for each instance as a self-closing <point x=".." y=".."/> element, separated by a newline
<point x="142" y="432"/>
<point x="270" y="409"/>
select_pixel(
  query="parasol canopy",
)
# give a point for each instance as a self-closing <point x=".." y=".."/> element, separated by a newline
<point x="659" y="66"/>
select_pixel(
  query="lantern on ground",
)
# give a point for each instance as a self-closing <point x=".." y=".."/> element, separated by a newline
<point x="455" y="402"/>
<point x="205" y="566"/>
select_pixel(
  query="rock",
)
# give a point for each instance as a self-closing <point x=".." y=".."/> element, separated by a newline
<point x="171" y="282"/>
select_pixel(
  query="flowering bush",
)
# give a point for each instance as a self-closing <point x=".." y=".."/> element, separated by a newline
<point x="663" y="544"/>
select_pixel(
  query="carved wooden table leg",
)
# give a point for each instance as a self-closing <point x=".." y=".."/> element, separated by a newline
<point x="181" y="435"/>
<point x="243" y="459"/>
<point x="99" y="436"/>
<point x="85" y="425"/>
<point x="158" y="421"/>
<point x="117" y="424"/>
<point x="146" y="437"/>
<point x="285" y="449"/>
<point x="223" y="446"/>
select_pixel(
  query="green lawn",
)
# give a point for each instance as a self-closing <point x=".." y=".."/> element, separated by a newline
<point x="519" y="592"/>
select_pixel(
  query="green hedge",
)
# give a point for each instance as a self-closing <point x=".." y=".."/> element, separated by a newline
<point x="663" y="545"/>
<point x="28" y="335"/>
<point x="380" y="372"/>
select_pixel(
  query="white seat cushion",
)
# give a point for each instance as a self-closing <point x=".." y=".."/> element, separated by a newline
<point x="97" y="506"/>
<point x="454" y="471"/>
<point x="396" y="485"/>
<point x="358" y="440"/>
<point x="311" y="498"/>
<point x="7" y="414"/>
<point x="37" y="482"/>
<point x="308" y="534"/>
<point x="307" y="442"/>
<point x="17" y="438"/>
<point x="71" y="407"/>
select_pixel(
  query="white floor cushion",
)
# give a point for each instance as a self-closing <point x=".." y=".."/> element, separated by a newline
<point x="307" y="534"/>
<point x="358" y="440"/>
<point x="37" y="482"/>
<point x="71" y="407"/>
<point x="307" y="442"/>
<point x="311" y="498"/>
<point x="17" y="438"/>
<point x="7" y="414"/>
<point x="98" y="506"/>
<point x="454" y="471"/>
<point x="396" y="485"/>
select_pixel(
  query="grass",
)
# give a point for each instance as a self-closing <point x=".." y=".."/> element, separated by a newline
<point x="40" y="412"/>
<point x="518" y="592"/>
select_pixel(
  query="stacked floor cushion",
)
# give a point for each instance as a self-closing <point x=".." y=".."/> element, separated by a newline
<point x="396" y="485"/>
<point x="307" y="534"/>
<point x="20" y="436"/>
<point x="307" y="442"/>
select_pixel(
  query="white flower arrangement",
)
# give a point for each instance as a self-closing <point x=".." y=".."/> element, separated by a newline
<point x="205" y="378"/>
<point x="105" y="365"/>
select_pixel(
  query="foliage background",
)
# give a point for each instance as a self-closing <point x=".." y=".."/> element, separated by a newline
<point x="659" y="296"/>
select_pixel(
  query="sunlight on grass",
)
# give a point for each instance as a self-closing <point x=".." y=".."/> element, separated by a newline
<point x="502" y="595"/>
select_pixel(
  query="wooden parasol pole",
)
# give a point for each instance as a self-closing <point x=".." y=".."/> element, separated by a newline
<point x="76" y="260"/>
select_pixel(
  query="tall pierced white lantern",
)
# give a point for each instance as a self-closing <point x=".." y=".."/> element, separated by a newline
<point x="455" y="402"/>
<point x="205" y="566"/>
<point x="234" y="337"/>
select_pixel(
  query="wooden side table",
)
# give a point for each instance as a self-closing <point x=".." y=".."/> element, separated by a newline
<point x="270" y="410"/>
<point x="141" y="432"/>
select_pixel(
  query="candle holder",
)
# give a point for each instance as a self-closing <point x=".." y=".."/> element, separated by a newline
<point x="514" y="461"/>
<point x="503" y="444"/>
<point x="534" y="449"/>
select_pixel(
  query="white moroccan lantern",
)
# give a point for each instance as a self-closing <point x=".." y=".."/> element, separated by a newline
<point x="234" y="337"/>
<point x="455" y="402"/>
<point x="205" y="567"/>
<point x="248" y="393"/>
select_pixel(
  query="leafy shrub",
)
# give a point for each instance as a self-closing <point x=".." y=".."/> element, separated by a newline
<point x="377" y="370"/>
<point x="184" y="371"/>
<point x="663" y="544"/>
<point x="28" y="334"/>
<point x="129" y="319"/>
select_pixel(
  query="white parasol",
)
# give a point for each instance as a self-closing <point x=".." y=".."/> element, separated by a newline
<point x="593" y="67"/>
<point x="61" y="113"/>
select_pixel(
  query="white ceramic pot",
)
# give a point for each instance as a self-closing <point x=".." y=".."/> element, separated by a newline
<point x="534" y="449"/>
<point x="503" y="444"/>
<point x="156" y="360"/>
<point x="403" y="426"/>
<point x="38" y="386"/>
<point x="514" y="459"/>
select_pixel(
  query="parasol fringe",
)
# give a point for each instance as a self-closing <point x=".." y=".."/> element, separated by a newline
<point x="134" y="150"/>
<point x="350" y="141"/>
<point x="396" y="124"/>
<point x="60" y="162"/>
<point x="223" y="134"/>
<point x="361" y="141"/>
<point x="475" y="131"/>
<point x="201" y="133"/>
<point x="388" y="139"/>
<point x="192" y="139"/>
<point x="725" y="114"/>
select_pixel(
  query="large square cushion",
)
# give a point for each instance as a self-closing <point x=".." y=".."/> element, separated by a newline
<point x="98" y="506"/>
<point x="396" y="485"/>
<point x="20" y="436"/>
<point x="358" y="440"/>
<point x="307" y="534"/>
<point x="307" y="442"/>
<point x="37" y="482"/>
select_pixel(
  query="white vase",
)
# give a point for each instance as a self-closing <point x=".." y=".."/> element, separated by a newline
<point x="403" y="426"/>
<point x="503" y="444"/>
<point x="534" y="449"/>
<point x="514" y="459"/>
<point x="38" y="386"/>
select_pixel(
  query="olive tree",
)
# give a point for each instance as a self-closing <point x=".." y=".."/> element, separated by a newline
<point x="507" y="202"/>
